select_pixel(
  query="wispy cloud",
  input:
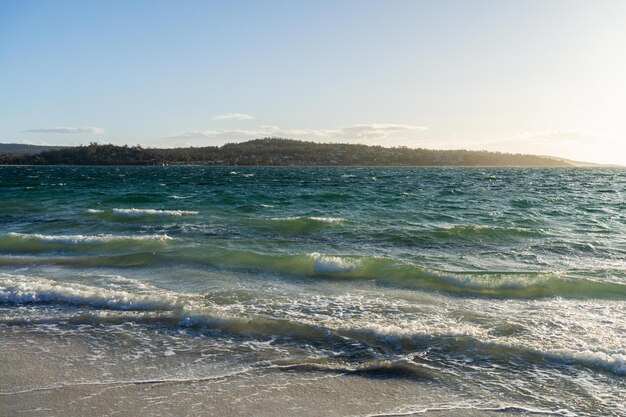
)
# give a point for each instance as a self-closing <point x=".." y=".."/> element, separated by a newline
<point x="365" y="133"/>
<point x="196" y="134"/>
<point x="233" y="116"/>
<point x="374" y="131"/>
<point x="92" y="130"/>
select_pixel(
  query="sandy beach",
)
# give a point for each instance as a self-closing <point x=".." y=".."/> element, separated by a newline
<point x="36" y="381"/>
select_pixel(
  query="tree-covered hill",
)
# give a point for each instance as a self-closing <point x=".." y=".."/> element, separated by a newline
<point x="274" y="152"/>
<point x="25" y="149"/>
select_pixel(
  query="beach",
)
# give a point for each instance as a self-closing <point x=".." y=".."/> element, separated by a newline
<point x="36" y="383"/>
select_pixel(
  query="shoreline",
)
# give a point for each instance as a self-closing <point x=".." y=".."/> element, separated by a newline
<point x="34" y="383"/>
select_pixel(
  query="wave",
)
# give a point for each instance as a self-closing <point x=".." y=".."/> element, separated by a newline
<point x="34" y="242"/>
<point x="167" y="308"/>
<point x="300" y="224"/>
<point x="409" y="275"/>
<point x="260" y="326"/>
<point x="143" y="258"/>
<point x="332" y="264"/>
<point x="613" y="362"/>
<point x="379" y="369"/>
<point x="135" y="213"/>
<point x="247" y="175"/>
<point x="312" y="218"/>
<point x="20" y="289"/>
<point x="140" y="250"/>
<point x="378" y="270"/>
<point x="472" y="232"/>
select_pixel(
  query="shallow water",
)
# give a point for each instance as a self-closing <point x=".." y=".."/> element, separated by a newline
<point x="504" y="288"/>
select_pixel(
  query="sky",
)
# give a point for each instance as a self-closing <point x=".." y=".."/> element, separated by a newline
<point x="543" y="77"/>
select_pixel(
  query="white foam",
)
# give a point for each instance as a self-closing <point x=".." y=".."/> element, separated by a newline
<point x="134" y="212"/>
<point x="20" y="289"/>
<point x="361" y="317"/>
<point x="614" y="362"/>
<point x="315" y="218"/>
<point x="329" y="219"/>
<point x="478" y="282"/>
<point x="332" y="264"/>
<point x="82" y="239"/>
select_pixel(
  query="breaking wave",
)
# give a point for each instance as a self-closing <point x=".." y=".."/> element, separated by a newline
<point x="135" y="213"/>
<point x="301" y="224"/>
<point x="156" y="306"/>
<point x="390" y="271"/>
<point x="471" y="232"/>
<point x="19" y="289"/>
<point x="379" y="270"/>
<point x="34" y="242"/>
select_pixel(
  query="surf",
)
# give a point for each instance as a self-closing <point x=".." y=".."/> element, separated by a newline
<point x="124" y="214"/>
<point x="33" y="242"/>
<point x="155" y="306"/>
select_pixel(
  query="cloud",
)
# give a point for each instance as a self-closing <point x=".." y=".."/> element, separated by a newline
<point x="233" y="116"/>
<point x="361" y="133"/>
<point x="92" y="130"/>
<point x="196" y="134"/>
<point x="374" y="131"/>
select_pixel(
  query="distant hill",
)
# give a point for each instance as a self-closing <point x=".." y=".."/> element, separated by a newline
<point x="269" y="152"/>
<point x="580" y="163"/>
<point x="22" y="149"/>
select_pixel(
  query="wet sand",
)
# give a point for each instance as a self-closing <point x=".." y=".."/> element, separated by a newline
<point x="35" y="381"/>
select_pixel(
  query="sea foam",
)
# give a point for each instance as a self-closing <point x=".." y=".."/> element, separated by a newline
<point x="20" y="289"/>
<point x="313" y="218"/>
<point x="185" y="310"/>
<point x="135" y="212"/>
<point x="332" y="264"/>
<point x="85" y="239"/>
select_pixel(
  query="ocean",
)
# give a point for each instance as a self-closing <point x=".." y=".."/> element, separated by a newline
<point x="312" y="291"/>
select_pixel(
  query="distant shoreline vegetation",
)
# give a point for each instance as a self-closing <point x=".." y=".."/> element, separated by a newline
<point x="268" y="152"/>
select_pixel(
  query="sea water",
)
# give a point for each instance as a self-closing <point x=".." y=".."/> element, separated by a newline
<point x="499" y="289"/>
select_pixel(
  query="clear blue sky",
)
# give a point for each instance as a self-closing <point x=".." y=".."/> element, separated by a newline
<point x="543" y="76"/>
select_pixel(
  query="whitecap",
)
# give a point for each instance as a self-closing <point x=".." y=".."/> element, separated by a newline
<point x="314" y="218"/>
<point x="135" y="212"/>
<point x="82" y="239"/>
<point x="332" y="264"/>
<point x="20" y="289"/>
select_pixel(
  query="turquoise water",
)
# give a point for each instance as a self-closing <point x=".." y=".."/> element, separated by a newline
<point x="507" y="285"/>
